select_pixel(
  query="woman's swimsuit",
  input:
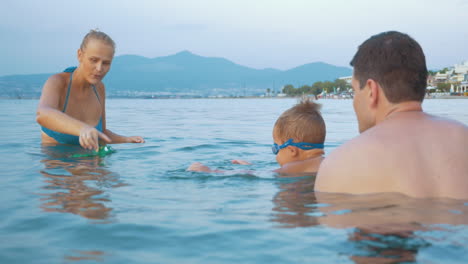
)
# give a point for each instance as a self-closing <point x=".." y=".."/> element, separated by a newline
<point x="67" y="138"/>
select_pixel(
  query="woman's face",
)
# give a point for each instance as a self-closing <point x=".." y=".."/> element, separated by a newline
<point x="95" y="60"/>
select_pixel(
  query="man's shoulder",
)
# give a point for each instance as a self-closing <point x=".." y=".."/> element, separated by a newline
<point x="342" y="163"/>
<point x="361" y="144"/>
<point x="449" y="123"/>
<point x="442" y="129"/>
<point x="357" y="161"/>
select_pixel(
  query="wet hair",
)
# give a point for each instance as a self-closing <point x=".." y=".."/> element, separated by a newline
<point x="397" y="62"/>
<point x="303" y="123"/>
<point x="98" y="35"/>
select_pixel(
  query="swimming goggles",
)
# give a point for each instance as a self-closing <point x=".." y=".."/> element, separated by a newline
<point x="302" y="145"/>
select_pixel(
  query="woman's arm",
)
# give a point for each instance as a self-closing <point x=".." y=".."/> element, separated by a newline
<point x="48" y="113"/>
<point x="115" y="138"/>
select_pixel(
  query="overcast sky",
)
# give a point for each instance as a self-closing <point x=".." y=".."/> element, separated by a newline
<point x="42" y="36"/>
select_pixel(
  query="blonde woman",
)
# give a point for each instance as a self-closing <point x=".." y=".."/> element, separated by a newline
<point x="72" y="109"/>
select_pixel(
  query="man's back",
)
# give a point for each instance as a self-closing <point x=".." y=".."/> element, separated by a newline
<point x="409" y="152"/>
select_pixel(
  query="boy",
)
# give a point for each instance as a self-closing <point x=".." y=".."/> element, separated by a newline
<point x="298" y="135"/>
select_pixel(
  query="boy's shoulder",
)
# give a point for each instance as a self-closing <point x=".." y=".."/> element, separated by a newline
<point x="308" y="165"/>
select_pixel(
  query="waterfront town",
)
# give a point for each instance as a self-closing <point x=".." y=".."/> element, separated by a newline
<point x="448" y="82"/>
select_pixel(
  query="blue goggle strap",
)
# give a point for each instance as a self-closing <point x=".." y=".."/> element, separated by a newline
<point x="301" y="145"/>
<point x="307" y="146"/>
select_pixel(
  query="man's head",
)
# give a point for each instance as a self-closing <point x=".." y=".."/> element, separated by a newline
<point x="389" y="68"/>
<point x="396" y="62"/>
<point x="302" y="123"/>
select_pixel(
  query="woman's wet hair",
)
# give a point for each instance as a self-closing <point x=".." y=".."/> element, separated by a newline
<point x="397" y="62"/>
<point x="303" y="123"/>
<point x="97" y="35"/>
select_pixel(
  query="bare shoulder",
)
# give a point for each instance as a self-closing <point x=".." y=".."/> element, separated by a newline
<point x="350" y="165"/>
<point x="381" y="158"/>
<point x="334" y="169"/>
<point x="53" y="90"/>
<point x="458" y="132"/>
<point x="304" y="166"/>
<point x="454" y="131"/>
<point x="457" y="126"/>
<point x="57" y="81"/>
<point x="442" y="121"/>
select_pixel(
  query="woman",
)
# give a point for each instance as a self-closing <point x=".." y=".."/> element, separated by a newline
<point x="72" y="105"/>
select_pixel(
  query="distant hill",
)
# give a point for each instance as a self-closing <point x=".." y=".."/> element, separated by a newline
<point x="22" y="86"/>
<point x="184" y="73"/>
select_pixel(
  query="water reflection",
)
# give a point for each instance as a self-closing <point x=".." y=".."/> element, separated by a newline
<point x="76" y="185"/>
<point x="385" y="246"/>
<point x="80" y="255"/>
<point x="383" y="228"/>
<point x="291" y="203"/>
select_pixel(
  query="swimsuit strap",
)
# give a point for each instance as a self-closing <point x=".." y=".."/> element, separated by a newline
<point x="70" y="70"/>
<point x="66" y="138"/>
<point x="97" y="95"/>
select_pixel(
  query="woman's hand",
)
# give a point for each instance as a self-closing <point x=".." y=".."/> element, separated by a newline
<point x="89" y="138"/>
<point x="135" y="139"/>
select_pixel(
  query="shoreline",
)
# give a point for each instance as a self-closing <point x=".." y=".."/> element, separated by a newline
<point x="448" y="97"/>
<point x="233" y="97"/>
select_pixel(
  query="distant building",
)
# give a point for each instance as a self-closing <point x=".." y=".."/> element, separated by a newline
<point x="461" y="68"/>
<point x="457" y="78"/>
<point x="430" y="80"/>
<point x="441" y="78"/>
<point x="347" y="79"/>
<point x="463" y="88"/>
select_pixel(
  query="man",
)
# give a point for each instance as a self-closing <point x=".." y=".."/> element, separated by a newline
<point x="400" y="148"/>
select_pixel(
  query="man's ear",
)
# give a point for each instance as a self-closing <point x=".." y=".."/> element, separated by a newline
<point x="374" y="93"/>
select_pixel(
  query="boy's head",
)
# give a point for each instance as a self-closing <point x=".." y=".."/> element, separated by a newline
<point x="301" y="123"/>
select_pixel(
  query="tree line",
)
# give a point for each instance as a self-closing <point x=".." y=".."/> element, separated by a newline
<point x="317" y="88"/>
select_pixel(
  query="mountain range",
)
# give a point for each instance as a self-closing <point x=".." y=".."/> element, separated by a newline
<point x="184" y="73"/>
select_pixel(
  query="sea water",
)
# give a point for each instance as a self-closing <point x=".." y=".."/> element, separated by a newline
<point x="140" y="205"/>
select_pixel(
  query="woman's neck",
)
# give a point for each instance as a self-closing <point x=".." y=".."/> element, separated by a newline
<point x="79" y="81"/>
